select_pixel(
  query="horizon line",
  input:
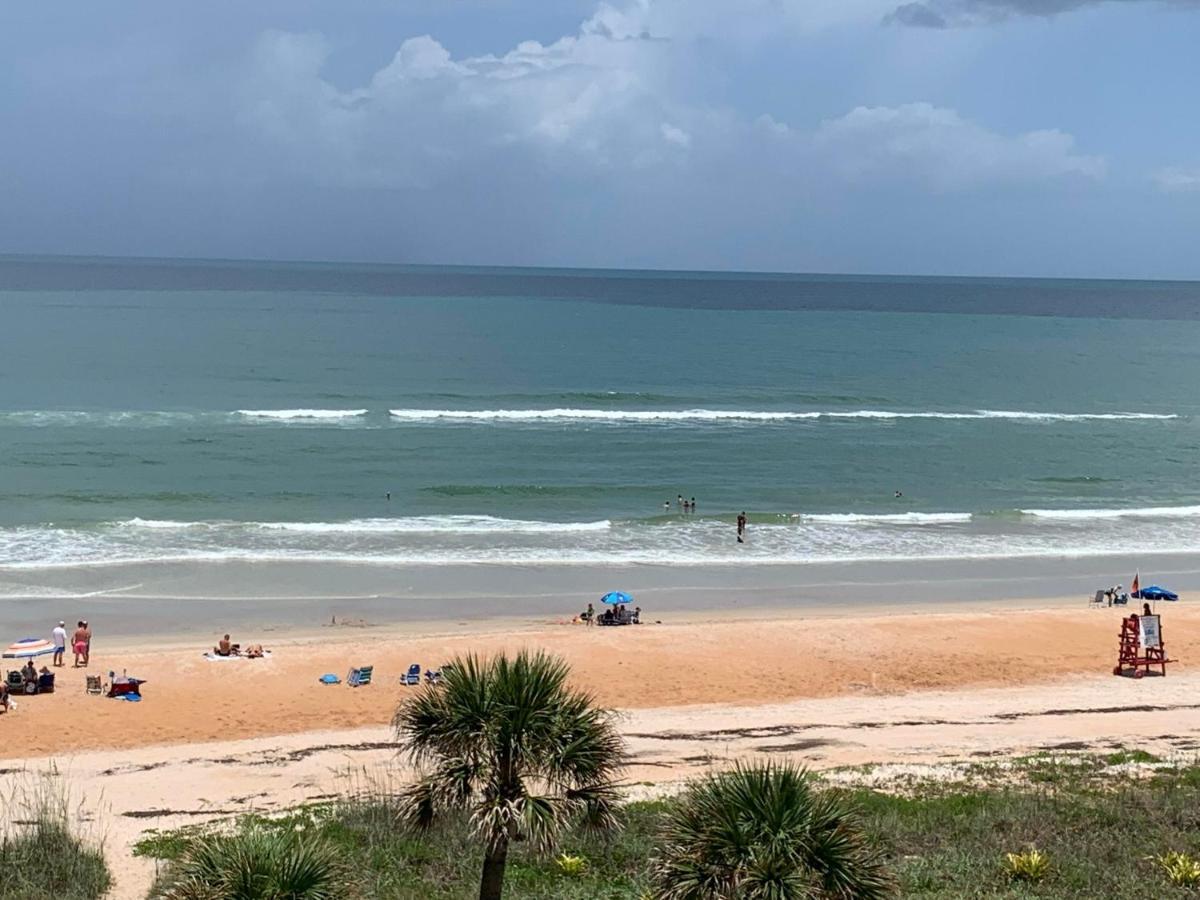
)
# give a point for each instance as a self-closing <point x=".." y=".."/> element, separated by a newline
<point x="570" y="270"/>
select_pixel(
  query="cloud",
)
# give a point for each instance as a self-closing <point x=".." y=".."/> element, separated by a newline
<point x="610" y="101"/>
<point x="922" y="143"/>
<point x="1174" y="179"/>
<point x="964" y="13"/>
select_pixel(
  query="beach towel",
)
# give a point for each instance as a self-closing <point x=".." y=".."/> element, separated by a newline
<point x="132" y="698"/>
<point x="329" y="678"/>
<point x="216" y="657"/>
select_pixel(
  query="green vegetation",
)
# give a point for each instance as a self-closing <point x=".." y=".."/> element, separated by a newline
<point x="257" y="863"/>
<point x="764" y="833"/>
<point x="40" y="858"/>
<point x="1105" y="833"/>
<point x="511" y="744"/>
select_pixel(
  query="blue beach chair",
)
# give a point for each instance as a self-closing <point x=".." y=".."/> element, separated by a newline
<point x="413" y="676"/>
<point x="360" y="676"/>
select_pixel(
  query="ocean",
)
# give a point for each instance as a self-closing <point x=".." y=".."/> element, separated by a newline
<point x="166" y="410"/>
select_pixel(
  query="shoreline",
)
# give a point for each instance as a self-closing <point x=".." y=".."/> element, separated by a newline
<point x="190" y="599"/>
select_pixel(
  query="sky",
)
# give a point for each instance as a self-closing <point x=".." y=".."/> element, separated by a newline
<point x="998" y="137"/>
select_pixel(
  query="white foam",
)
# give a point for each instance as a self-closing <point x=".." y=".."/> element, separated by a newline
<point x="301" y="414"/>
<point x="408" y="525"/>
<point x="1146" y="512"/>
<point x="163" y="524"/>
<point x="741" y="415"/>
<point x="910" y="518"/>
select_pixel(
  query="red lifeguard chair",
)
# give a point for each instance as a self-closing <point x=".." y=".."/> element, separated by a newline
<point x="1141" y="647"/>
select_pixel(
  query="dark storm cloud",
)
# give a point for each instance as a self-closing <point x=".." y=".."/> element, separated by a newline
<point x="959" y="13"/>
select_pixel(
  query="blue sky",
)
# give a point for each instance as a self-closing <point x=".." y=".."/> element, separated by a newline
<point x="1012" y="137"/>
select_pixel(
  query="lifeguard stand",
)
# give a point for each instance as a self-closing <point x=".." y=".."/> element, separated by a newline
<point x="1141" y="647"/>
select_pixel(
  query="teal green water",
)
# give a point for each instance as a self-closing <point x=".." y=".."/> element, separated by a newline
<point x="272" y="423"/>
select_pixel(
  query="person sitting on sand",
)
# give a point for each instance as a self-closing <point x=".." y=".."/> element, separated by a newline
<point x="30" y="673"/>
<point x="637" y="615"/>
<point x="224" y="648"/>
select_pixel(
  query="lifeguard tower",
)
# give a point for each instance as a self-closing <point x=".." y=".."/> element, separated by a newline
<point x="1141" y="647"/>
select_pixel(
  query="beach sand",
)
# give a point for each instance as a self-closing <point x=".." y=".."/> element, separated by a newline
<point x="694" y="692"/>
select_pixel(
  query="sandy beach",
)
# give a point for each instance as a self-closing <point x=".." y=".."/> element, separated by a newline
<point x="830" y="689"/>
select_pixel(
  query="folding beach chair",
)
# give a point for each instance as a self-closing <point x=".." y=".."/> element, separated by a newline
<point x="1099" y="599"/>
<point x="15" y="681"/>
<point x="414" y="675"/>
<point x="360" y="676"/>
<point x="94" y="685"/>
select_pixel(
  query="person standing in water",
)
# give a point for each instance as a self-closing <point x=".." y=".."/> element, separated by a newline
<point x="741" y="527"/>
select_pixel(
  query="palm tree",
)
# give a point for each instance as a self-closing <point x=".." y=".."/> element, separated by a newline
<point x="510" y="742"/>
<point x="763" y="833"/>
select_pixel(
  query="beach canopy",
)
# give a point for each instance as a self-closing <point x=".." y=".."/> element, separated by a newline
<point x="1154" y="592"/>
<point x="28" y="647"/>
<point x="616" y="598"/>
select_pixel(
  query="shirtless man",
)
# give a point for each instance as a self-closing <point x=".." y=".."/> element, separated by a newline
<point x="224" y="648"/>
<point x="79" y="643"/>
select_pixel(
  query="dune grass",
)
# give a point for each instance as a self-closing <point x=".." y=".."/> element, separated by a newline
<point x="1103" y="828"/>
<point x="41" y="857"/>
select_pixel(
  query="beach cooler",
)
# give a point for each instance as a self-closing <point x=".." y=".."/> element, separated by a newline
<point x="124" y="684"/>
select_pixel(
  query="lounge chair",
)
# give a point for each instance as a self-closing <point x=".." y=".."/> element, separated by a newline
<point x="1099" y="599"/>
<point x="414" y="675"/>
<point x="94" y="685"/>
<point x="15" y="681"/>
<point x="360" y="676"/>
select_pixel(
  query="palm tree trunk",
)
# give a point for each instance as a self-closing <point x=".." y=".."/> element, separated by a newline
<point x="491" y="886"/>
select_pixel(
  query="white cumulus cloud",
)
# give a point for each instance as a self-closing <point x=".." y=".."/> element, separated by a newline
<point x="938" y="147"/>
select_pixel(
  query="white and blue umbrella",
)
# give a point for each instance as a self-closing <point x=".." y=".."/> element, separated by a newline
<point x="26" y="648"/>
<point x="616" y="598"/>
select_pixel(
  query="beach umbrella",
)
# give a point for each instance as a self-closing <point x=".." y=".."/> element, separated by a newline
<point x="616" y="598"/>
<point x="1154" y="592"/>
<point x="28" y="647"/>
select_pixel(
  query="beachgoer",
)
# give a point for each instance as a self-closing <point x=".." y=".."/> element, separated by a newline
<point x="60" y="642"/>
<point x="667" y="506"/>
<point x="898" y="495"/>
<point x="637" y="615"/>
<point x="79" y="643"/>
<point x="679" y="501"/>
<point x="87" y="642"/>
<point x="687" y="507"/>
<point x="1146" y="610"/>
<point x="388" y="495"/>
<point x="590" y="616"/>
<point x="741" y="527"/>
<point x="255" y="651"/>
<point x="4" y="695"/>
<point x="693" y="504"/>
<point x="223" y="648"/>
<point x="30" y="673"/>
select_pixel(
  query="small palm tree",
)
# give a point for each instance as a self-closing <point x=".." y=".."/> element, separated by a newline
<point x="510" y="742"/>
<point x="257" y="864"/>
<point x="763" y="833"/>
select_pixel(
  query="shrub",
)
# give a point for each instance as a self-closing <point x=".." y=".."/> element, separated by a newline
<point x="1181" y="868"/>
<point x="1032" y="865"/>
<point x="760" y="832"/>
<point x="257" y="864"/>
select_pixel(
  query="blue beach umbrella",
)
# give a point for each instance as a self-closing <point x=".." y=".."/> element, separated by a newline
<point x="616" y="598"/>
<point x="1154" y="592"/>
<point x="27" y="648"/>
